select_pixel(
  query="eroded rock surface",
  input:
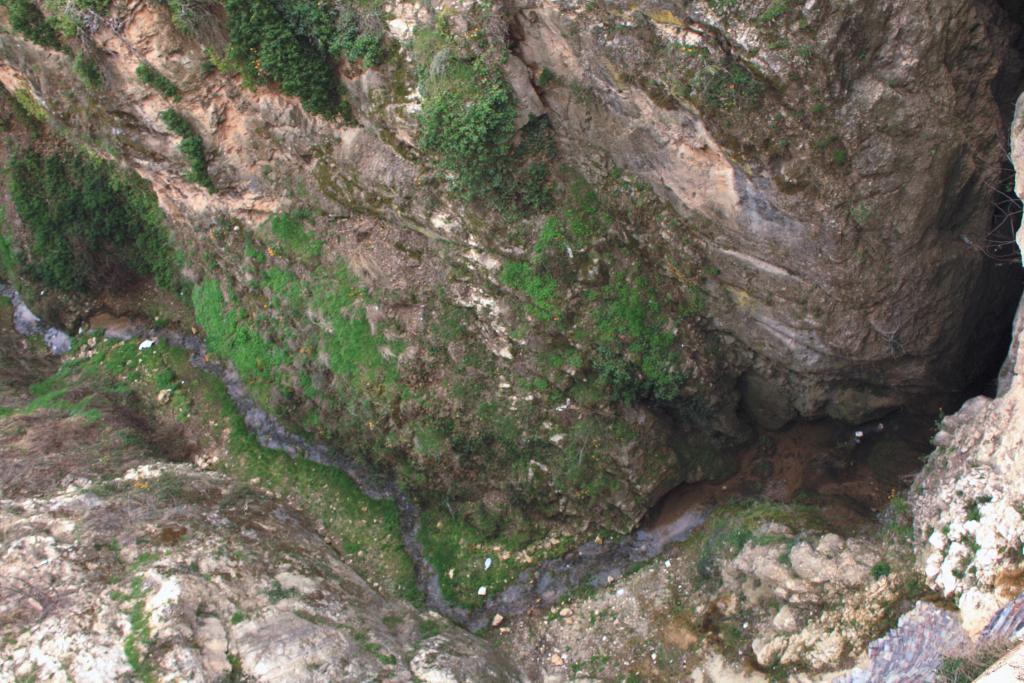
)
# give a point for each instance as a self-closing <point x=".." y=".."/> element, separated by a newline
<point x="968" y="501"/>
<point x="785" y="179"/>
<point x="161" y="571"/>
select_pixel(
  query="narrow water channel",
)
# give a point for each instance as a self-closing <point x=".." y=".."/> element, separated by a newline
<point x="848" y="472"/>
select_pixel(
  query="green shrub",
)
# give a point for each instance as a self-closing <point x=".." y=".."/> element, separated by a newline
<point x="188" y="15"/>
<point x="191" y="146"/>
<point x="28" y="20"/>
<point x="149" y="75"/>
<point x="355" y="44"/>
<point x="91" y="227"/>
<point x="718" y="81"/>
<point x="467" y="122"/>
<point x="68" y="17"/>
<point x="880" y="569"/>
<point x="285" y="43"/>
<point x="88" y="71"/>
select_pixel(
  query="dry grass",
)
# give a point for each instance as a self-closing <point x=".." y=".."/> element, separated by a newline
<point x="972" y="663"/>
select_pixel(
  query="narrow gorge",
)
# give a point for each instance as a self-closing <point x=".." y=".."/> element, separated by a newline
<point x="467" y="341"/>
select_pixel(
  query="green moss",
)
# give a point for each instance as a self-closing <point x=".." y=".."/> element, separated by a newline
<point x="637" y="354"/>
<point x="368" y="530"/>
<point x="231" y="335"/>
<point x="149" y="75"/>
<point x="774" y="11"/>
<point x="731" y="526"/>
<point x="136" y="644"/>
<point x="540" y="289"/>
<point x="9" y="262"/>
<point x="459" y="550"/>
<point x="30" y="105"/>
<point x="880" y="569"/>
<point x="292" y="237"/>
<point x="191" y="146"/>
<point x="91" y="225"/>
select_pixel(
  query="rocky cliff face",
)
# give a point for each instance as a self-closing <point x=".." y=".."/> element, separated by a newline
<point x="816" y="193"/>
<point x="967" y="501"/>
<point x="746" y="202"/>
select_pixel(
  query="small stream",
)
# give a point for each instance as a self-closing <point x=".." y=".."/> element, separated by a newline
<point x="848" y="472"/>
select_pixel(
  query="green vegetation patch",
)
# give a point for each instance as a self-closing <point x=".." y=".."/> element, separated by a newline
<point x="541" y="289"/>
<point x="459" y="551"/>
<point x="730" y="526"/>
<point x="292" y="237"/>
<point x="88" y="71"/>
<point x="27" y="19"/>
<point x="260" y="342"/>
<point x="191" y="146"/>
<point x="296" y="44"/>
<point x="91" y="225"/>
<point x="149" y="75"/>
<point x="717" y="81"/>
<point x="467" y="122"/>
<point x="368" y="530"/>
<point x="970" y="665"/>
<point x="636" y="347"/>
<point x="9" y="261"/>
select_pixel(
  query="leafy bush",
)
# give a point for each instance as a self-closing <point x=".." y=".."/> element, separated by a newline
<point x="355" y="44"/>
<point x="880" y="569"/>
<point x="285" y="43"/>
<point x="88" y="71"/>
<point x="28" y="20"/>
<point x="91" y="227"/>
<point x="191" y="146"/>
<point x="467" y="121"/>
<point x="149" y="75"/>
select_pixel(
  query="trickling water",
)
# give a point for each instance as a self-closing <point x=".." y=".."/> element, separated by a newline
<point x="850" y="470"/>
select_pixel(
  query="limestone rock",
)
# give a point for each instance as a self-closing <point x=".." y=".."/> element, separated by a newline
<point x="968" y="501"/>
<point x="250" y="583"/>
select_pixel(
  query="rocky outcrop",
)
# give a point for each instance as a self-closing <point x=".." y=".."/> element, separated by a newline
<point x="968" y="502"/>
<point x="160" y="571"/>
